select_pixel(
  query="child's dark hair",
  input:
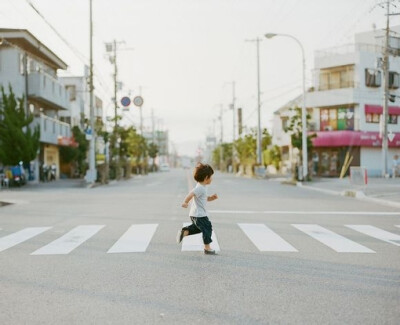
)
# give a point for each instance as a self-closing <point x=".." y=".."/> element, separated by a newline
<point x="201" y="171"/>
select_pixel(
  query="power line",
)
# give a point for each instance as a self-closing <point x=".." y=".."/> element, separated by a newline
<point x="77" y="53"/>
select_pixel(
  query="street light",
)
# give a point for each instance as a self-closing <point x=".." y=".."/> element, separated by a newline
<point x="303" y="109"/>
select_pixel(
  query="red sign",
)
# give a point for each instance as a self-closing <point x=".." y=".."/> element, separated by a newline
<point x="352" y="138"/>
<point x="67" y="142"/>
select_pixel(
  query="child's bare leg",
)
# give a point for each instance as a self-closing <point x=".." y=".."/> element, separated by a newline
<point x="207" y="247"/>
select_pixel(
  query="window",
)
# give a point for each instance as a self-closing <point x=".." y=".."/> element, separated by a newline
<point x="373" y="78"/>
<point x="341" y="118"/>
<point x="285" y="120"/>
<point x="72" y="92"/>
<point x="394" y="80"/>
<point x="392" y="119"/>
<point x="375" y="118"/>
<point x="21" y="63"/>
<point x="338" y="77"/>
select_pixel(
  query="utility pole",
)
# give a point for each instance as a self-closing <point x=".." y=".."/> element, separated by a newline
<point x="221" y="149"/>
<point x="259" y="135"/>
<point x="234" y="128"/>
<point x="385" y="113"/>
<point x="114" y="60"/>
<point x="141" y="114"/>
<point x="91" y="173"/>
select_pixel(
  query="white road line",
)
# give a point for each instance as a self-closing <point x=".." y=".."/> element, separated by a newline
<point x="337" y="242"/>
<point x="135" y="239"/>
<point x="265" y="239"/>
<point x="195" y="242"/>
<point x="70" y="241"/>
<point x="377" y="213"/>
<point x="20" y="236"/>
<point x="377" y="233"/>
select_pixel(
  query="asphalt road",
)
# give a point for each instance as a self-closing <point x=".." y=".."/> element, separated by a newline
<point x="107" y="255"/>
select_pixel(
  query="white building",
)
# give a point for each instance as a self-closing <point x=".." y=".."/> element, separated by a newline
<point x="346" y="104"/>
<point x="79" y="96"/>
<point x="31" y="69"/>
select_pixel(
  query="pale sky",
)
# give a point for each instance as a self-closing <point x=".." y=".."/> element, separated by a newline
<point x="186" y="53"/>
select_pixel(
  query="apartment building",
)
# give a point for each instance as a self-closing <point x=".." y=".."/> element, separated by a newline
<point x="31" y="69"/>
<point x="346" y="101"/>
<point x="79" y="96"/>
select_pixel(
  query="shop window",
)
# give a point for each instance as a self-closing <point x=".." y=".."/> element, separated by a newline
<point x="337" y="119"/>
<point x="375" y="118"/>
<point x="373" y="78"/>
<point x="393" y="119"/>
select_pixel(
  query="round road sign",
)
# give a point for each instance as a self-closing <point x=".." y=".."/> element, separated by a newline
<point x="125" y="101"/>
<point x="138" y="101"/>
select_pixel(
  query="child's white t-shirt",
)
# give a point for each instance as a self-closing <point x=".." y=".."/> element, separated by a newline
<point x="198" y="208"/>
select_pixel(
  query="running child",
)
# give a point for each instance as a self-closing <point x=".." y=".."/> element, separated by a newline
<point x="198" y="211"/>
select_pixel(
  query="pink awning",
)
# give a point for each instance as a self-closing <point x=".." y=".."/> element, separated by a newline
<point x="351" y="138"/>
<point x="377" y="109"/>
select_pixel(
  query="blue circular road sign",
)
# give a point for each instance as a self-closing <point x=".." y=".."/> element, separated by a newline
<point x="125" y="101"/>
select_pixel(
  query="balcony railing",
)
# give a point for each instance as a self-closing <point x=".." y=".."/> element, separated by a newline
<point x="47" y="89"/>
<point x="51" y="129"/>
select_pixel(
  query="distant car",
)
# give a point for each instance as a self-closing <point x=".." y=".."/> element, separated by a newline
<point x="164" y="168"/>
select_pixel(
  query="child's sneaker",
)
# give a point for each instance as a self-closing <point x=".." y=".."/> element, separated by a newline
<point x="210" y="252"/>
<point x="180" y="235"/>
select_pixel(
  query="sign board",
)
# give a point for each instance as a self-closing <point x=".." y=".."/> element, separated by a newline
<point x="358" y="176"/>
<point x="391" y="136"/>
<point x="138" y="101"/>
<point x="125" y="101"/>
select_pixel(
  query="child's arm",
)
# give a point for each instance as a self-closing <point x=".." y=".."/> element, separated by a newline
<point x="187" y="200"/>
<point x="212" y="197"/>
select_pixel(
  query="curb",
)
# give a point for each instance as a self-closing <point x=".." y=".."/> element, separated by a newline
<point x="359" y="195"/>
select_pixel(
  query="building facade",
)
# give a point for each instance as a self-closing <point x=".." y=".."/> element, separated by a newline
<point x="30" y="68"/>
<point x="346" y="101"/>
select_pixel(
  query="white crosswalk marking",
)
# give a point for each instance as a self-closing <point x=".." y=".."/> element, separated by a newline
<point x="195" y="242"/>
<point x="377" y="233"/>
<point x="337" y="242"/>
<point x="20" y="236"/>
<point x="265" y="239"/>
<point x="70" y="241"/>
<point x="135" y="239"/>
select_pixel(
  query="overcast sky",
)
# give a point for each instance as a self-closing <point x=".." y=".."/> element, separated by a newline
<point x="187" y="53"/>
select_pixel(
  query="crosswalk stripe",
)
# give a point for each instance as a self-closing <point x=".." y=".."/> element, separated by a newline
<point x="135" y="239"/>
<point x="265" y="239"/>
<point x="377" y="233"/>
<point x="335" y="241"/>
<point x="70" y="241"/>
<point x="195" y="242"/>
<point x="20" y="236"/>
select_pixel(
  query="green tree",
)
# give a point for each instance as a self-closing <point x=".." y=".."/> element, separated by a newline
<point x="272" y="156"/>
<point x="18" y="140"/>
<point x="295" y="128"/>
<point x="246" y="148"/>
<point x="226" y="149"/>
<point x="137" y="148"/>
<point x="76" y="154"/>
<point x="153" y="151"/>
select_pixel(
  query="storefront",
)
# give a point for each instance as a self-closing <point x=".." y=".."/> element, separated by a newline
<point x="332" y="149"/>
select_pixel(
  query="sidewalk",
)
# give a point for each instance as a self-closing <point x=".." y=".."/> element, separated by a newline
<point x="378" y="190"/>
